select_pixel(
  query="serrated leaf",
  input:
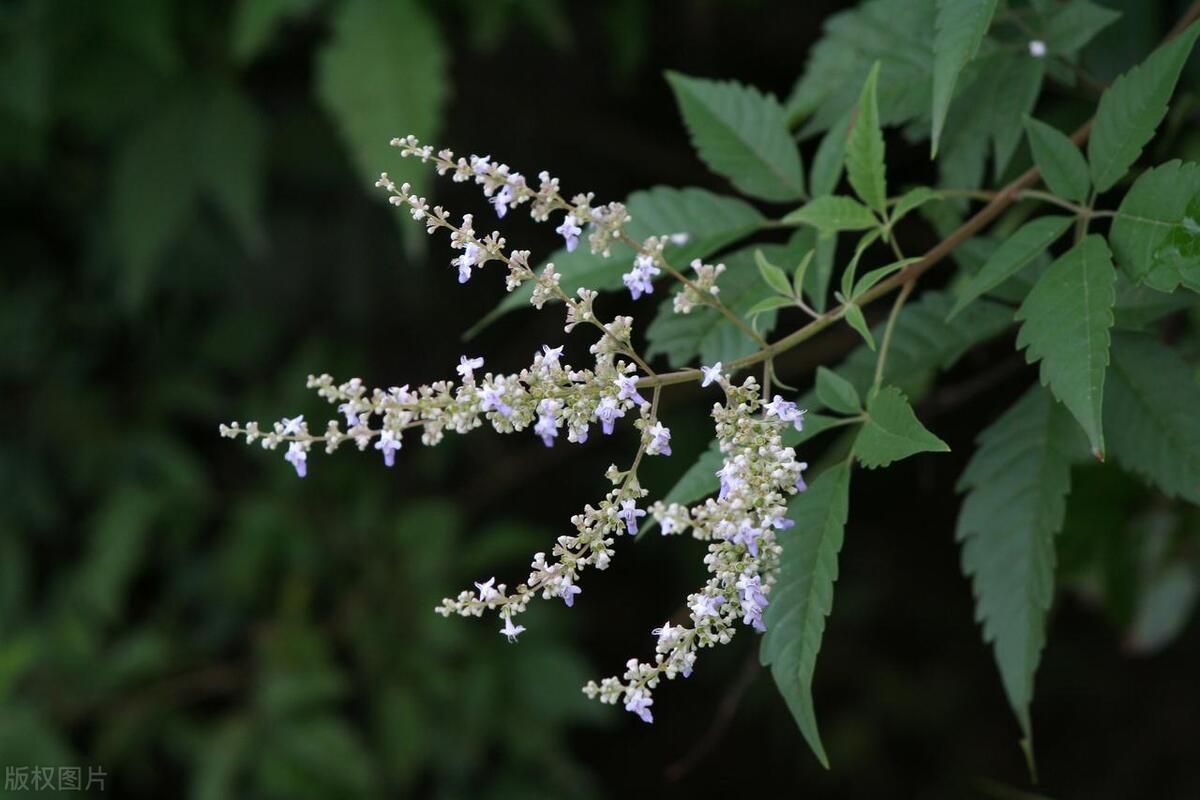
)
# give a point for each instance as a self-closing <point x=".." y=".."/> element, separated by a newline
<point x="833" y="213"/>
<point x="705" y="333"/>
<point x="1029" y="241"/>
<point x="910" y="201"/>
<point x="864" y="149"/>
<point x="711" y="221"/>
<point x="837" y="393"/>
<point x="851" y="269"/>
<point x="1066" y="323"/>
<point x="855" y="319"/>
<point x="1152" y="426"/>
<point x="893" y="32"/>
<point x="1071" y="25"/>
<point x="819" y="276"/>
<point x="958" y="32"/>
<point x="1062" y="165"/>
<point x="892" y="431"/>
<point x="1155" y="236"/>
<point x="1017" y="482"/>
<point x="803" y="595"/>
<point x="381" y="75"/>
<point x="923" y="342"/>
<point x="740" y="133"/>
<point x="772" y="275"/>
<point x="1130" y="109"/>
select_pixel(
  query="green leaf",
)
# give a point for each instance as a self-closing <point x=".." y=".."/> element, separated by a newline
<point x="818" y="278"/>
<point x="851" y="269"/>
<point x="1017" y="482"/>
<point x="1067" y="318"/>
<point x="772" y="275"/>
<point x="705" y="332"/>
<point x="866" y="282"/>
<point x="1153" y="429"/>
<point x="1130" y="109"/>
<point x="1156" y="234"/>
<point x="910" y="201"/>
<point x="254" y="24"/>
<point x="229" y="153"/>
<point x="837" y="393"/>
<point x="801" y="271"/>
<point x="382" y="75"/>
<point x="1071" y="25"/>
<point x="855" y="319"/>
<point x="803" y="595"/>
<point x="1063" y="166"/>
<point x="864" y="149"/>
<point x="711" y="221"/>
<point x="1029" y="241"/>
<point x="892" y="431"/>
<point x="740" y="133"/>
<point x="833" y="213"/>
<point x="769" y="304"/>
<point x="958" y="32"/>
<point x="829" y="159"/>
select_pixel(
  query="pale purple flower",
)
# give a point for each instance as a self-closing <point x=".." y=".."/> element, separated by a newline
<point x="629" y="513"/>
<point x="627" y="389"/>
<point x="660" y="440"/>
<point x="547" y="424"/>
<point x="502" y="200"/>
<point x="748" y="535"/>
<point x="481" y="164"/>
<point x="639" y="701"/>
<point x="666" y="634"/>
<point x="388" y="443"/>
<point x="467" y="366"/>
<point x="468" y="259"/>
<point x="640" y="279"/>
<point x="510" y="630"/>
<point x="493" y="400"/>
<point x="550" y="356"/>
<point x="569" y="590"/>
<point x="800" y="484"/>
<point x="711" y="374"/>
<point x="487" y="591"/>
<point x="570" y="230"/>
<point x="754" y="602"/>
<point x="729" y="479"/>
<point x="351" y="417"/>
<point x="291" y="427"/>
<point x="297" y="456"/>
<point x="706" y="605"/>
<point x="608" y="411"/>
<point x="785" y="411"/>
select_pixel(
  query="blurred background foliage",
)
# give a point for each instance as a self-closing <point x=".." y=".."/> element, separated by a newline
<point x="189" y="230"/>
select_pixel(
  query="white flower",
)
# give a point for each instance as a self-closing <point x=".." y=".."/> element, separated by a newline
<point x="291" y="427"/>
<point x="711" y="374"/>
<point x="487" y="592"/>
<point x="467" y="366"/>
<point x="1037" y="48"/>
<point x="510" y="630"/>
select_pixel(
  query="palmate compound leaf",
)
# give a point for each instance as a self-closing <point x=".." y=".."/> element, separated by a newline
<point x="958" y="32"/>
<point x="740" y="133"/>
<point x="892" y="431"/>
<point x="711" y="221"/>
<point x="1155" y="236"/>
<point x="803" y="595"/>
<point x="1152" y="421"/>
<point x="1016" y="484"/>
<point x="1066" y="322"/>
<point x="1130" y="109"/>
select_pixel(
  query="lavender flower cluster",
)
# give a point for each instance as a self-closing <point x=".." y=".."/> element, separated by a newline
<point x="551" y="398"/>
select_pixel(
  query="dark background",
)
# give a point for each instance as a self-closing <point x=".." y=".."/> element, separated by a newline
<point x="184" y="612"/>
